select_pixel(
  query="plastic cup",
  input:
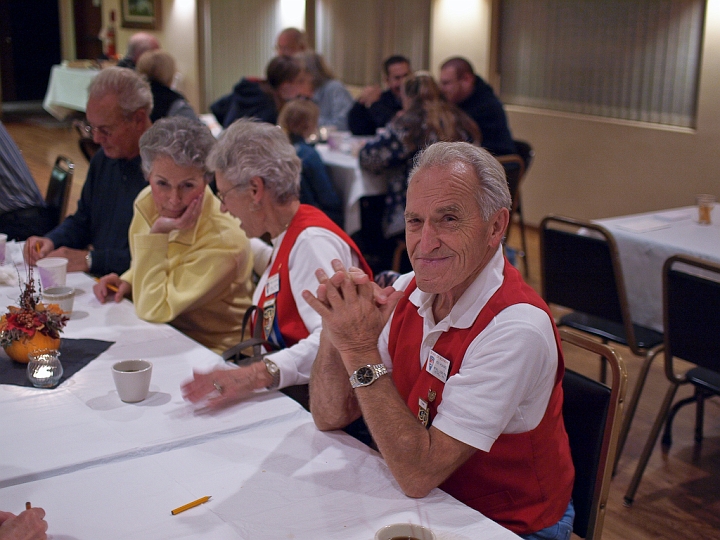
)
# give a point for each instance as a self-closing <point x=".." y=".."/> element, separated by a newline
<point x="132" y="379"/>
<point x="705" y="205"/>
<point x="53" y="271"/>
<point x="62" y="296"/>
<point x="405" y="530"/>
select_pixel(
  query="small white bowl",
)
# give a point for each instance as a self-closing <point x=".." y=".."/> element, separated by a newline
<point x="62" y="296"/>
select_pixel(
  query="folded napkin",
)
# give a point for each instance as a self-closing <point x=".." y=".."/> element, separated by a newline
<point x="75" y="354"/>
<point x="8" y="275"/>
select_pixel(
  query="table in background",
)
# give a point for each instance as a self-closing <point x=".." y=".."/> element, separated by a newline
<point x="68" y="90"/>
<point x="351" y="182"/>
<point x="106" y="469"/>
<point x="645" y="241"/>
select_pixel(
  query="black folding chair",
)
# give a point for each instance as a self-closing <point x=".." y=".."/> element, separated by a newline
<point x="58" y="190"/>
<point x="592" y="413"/>
<point x="691" y="315"/>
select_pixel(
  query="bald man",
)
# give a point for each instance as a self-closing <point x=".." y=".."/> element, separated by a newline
<point x="137" y="45"/>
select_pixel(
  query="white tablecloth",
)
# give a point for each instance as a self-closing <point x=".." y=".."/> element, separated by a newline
<point x="646" y="241"/>
<point x="106" y="469"/>
<point x="67" y="90"/>
<point x="351" y="182"/>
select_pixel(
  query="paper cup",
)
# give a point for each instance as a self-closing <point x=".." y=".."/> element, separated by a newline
<point x="3" y="241"/>
<point x="53" y="271"/>
<point x="132" y="379"/>
<point x="62" y="296"/>
<point x="405" y="530"/>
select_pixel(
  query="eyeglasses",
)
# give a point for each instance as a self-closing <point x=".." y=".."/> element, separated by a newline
<point x="222" y="196"/>
<point x="105" y="131"/>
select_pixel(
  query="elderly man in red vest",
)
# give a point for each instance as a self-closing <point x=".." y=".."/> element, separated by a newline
<point x="456" y="371"/>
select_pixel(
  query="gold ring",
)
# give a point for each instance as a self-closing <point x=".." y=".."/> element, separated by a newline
<point x="218" y="387"/>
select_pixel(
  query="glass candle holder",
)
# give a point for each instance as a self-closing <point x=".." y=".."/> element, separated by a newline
<point x="44" y="368"/>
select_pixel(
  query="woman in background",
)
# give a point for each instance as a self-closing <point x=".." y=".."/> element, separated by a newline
<point x="299" y="119"/>
<point x="191" y="264"/>
<point x="326" y="91"/>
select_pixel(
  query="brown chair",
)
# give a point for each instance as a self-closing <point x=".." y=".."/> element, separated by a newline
<point x="691" y="319"/>
<point x="592" y="414"/>
<point x="580" y="270"/>
<point x="58" y="190"/>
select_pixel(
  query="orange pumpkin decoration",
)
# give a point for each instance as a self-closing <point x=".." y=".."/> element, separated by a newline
<point x="20" y="349"/>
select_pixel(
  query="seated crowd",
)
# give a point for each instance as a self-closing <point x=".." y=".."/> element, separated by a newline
<point x="455" y="369"/>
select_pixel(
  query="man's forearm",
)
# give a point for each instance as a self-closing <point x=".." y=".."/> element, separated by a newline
<point x="332" y="401"/>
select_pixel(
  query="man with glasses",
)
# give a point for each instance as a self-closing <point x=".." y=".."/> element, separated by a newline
<point x="95" y="238"/>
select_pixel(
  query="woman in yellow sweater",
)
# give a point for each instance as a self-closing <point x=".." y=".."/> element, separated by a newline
<point x="191" y="264"/>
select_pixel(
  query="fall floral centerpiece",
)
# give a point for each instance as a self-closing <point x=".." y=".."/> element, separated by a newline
<point x="31" y="327"/>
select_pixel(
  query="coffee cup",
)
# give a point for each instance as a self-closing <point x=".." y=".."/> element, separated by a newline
<point x="62" y="296"/>
<point x="405" y="531"/>
<point x="53" y="271"/>
<point x="132" y="379"/>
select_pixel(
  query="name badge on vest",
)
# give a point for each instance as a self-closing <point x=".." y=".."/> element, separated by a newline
<point x="437" y="366"/>
<point x="268" y="316"/>
<point x="273" y="285"/>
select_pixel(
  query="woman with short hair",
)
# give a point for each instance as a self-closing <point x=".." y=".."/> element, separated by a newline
<point x="258" y="179"/>
<point x="191" y="264"/>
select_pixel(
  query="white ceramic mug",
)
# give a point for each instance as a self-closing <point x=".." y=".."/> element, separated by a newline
<point x="62" y="296"/>
<point x="405" y="530"/>
<point x="53" y="271"/>
<point x="132" y="379"/>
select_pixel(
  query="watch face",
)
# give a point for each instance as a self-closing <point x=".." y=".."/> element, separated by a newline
<point x="365" y="375"/>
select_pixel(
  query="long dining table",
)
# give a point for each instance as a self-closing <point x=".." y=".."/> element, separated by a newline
<point x="106" y="469"/>
<point x="645" y="241"/>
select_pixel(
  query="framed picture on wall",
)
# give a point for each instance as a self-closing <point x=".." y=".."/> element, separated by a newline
<point x="140" y="14"/>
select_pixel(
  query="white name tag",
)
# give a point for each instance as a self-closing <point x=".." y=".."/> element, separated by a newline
<point x="273" y="285"/>
<point x="437" y="366"/>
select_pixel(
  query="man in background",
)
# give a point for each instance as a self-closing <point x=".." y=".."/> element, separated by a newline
<point x="137" y="45"/>
<point x="291" y="41"/>
<point x="473" y="95"/>
<point x="95" y="238"/>
<point x="22" y="208"/>
<point x="375" y="108"/>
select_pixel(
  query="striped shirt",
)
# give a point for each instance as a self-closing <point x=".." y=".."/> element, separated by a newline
<point x="17" y="187"/>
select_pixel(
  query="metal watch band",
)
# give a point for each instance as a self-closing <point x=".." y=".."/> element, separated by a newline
<point x="273" y="370"/>
<point x="366" y="375"/>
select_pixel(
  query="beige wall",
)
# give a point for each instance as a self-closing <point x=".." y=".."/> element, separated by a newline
<point x="178" y="35"/>
<point x="592" y="167"/>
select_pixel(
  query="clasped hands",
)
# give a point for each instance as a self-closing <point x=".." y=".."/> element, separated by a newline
<point x="354" y="310"/>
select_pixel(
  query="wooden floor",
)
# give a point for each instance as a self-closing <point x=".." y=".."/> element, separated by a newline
<point x="679" y="497"/>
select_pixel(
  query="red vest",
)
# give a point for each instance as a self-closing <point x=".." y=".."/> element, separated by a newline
<point x="287" y="318"/>
<point x="526" y="480"/>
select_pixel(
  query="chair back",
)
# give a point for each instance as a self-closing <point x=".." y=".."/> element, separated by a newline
<point x="526" y="152"/>
<point x="514" y="172"/>
<point x="692" y="311"/>
<point x="58" y="190"/>
<point x="592" y="413"/>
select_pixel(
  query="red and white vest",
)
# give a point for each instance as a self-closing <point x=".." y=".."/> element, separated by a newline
<point x="525" y="482"/>
<point x="287" y="318"/>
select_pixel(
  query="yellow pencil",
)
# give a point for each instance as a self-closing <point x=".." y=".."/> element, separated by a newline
<point x="190" y="505"/>
<point x="28" y="506"/>
<point x="110" y="287"/>
<point x="37" y="247"/>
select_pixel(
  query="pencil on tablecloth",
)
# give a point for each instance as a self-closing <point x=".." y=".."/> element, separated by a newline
<point x="112" y="288"/>
<point x="190" y="505"/>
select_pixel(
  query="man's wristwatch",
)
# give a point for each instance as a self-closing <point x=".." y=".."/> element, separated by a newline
<point x="366" y="375"/>
<point x="274" y="371"/>
<point x="88" y="260"/>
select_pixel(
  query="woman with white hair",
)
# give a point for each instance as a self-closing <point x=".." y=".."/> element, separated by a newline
<point x="258" y="179"/>
<point x="191" y="264"/>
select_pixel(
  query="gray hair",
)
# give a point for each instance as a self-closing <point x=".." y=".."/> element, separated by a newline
<point x="185" y="141"/>
<point x="247" y="149"/>
<point x="492" y="189"/>
<point x="132" y="90"/>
